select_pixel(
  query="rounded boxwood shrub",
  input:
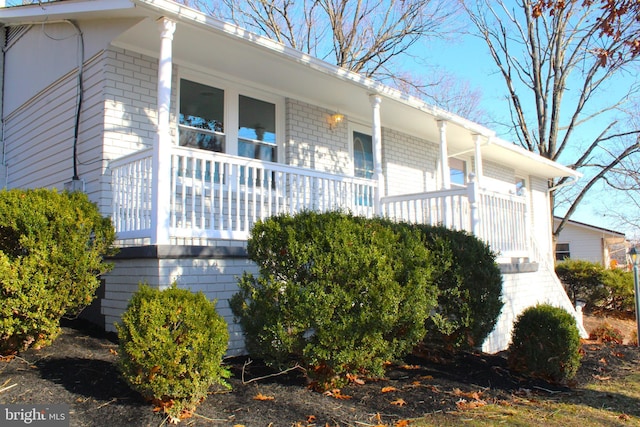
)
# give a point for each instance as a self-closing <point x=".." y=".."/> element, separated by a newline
<point x="545" y="344"/>
<point x="171" y="348"/>
<point x="336" y="293"/>
<point x="469" y="288"/>
<point x="52" y="248"/>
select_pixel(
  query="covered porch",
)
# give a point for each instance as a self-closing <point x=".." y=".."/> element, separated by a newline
<point x="171" y="194"/>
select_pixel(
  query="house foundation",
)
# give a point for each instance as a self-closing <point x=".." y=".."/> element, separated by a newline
<point x="215" y="270"/>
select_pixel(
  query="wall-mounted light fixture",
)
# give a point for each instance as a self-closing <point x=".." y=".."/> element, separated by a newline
<point x="335" y="120"/>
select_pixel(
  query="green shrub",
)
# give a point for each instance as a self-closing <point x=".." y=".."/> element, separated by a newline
<point x="581" y="279"/>
<point x="600" y="288"/>
<point x="470" y="288"/>
<point x="171" y="347"/>
<point x="617" y="292"/>
<point x="337" y="293"/>
<point x="545" y="344"/>
<point x="51" y="254"/>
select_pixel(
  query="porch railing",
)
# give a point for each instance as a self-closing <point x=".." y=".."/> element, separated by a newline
<point x="132" y="191"/>
<point x="497" y="218"/>
<point x="215" y="195"/>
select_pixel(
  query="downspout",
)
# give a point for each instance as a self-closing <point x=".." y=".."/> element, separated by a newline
<point x="570" y="181"/>
<point x="80" y="95"/>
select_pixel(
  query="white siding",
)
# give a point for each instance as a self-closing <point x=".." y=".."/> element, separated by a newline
<point x="541" y="216"/>
<point x="584" y="244"/>
<point x="39" y="138"/>
<point x="38" y="58"/>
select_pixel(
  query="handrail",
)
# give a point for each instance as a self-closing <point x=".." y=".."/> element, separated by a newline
<point x="128" y="158"/>
<point x="248" y="162"/>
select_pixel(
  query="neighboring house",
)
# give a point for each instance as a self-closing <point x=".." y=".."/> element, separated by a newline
<point x="582" y="241"/>
<point x="185" y="130"/>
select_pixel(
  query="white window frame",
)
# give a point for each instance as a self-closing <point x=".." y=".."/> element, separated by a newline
<point x="232" y="92"/>
<point x="465" y="171"/>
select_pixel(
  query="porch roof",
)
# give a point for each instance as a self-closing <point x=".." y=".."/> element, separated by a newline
<point x="264" y="63"/>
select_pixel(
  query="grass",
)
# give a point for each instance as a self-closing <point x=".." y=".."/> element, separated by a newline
<point x="607" y="402"/>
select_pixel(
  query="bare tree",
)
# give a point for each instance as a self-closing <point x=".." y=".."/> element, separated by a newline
<point x="623" y="204"/>
<point x="612" y="22"/>
<point x="374" y="38"/>
<point x="557" y="84"/>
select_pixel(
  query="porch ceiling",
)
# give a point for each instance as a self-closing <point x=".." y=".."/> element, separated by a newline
<point x="206" y="44"/>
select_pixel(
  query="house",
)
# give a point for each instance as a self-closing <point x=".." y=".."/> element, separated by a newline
<point x="185" y="130"/>
<point x="578" y="240"/>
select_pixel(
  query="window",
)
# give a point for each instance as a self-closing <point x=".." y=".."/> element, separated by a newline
<point x="257" y="129"/>
<point x="458" y="171"/>
<point x="521" y="186"/>
<point x="362" y="155"/>
<point x="562" y="251"/>
<point x="250" y="128"/>
<point x="201" y="118"/>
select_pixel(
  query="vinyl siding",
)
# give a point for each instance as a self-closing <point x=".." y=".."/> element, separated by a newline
<point x="584" y="244"/>
<point x="39" y="137"/>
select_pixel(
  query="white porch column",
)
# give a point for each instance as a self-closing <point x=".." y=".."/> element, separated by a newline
<point x="472" y="194"/>
<point x="161" y="181"/>
<point x="376" y="136"/>
<point x="444" y="156"/>
<point x="478" y="158"/>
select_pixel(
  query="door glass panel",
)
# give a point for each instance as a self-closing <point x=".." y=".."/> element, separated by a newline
<point x="362" y="155"/>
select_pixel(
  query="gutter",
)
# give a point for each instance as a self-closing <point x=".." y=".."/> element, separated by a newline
<point x="571" y="180"/>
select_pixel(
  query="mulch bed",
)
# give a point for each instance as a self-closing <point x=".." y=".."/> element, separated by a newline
<point x="79" y="370"/>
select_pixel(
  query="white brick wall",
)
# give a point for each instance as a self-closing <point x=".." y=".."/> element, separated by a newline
<point x="311" y="143"/>
<point x="520" y="291"/>
<point x="499" y="172"/>
<point x="130" y="81"/>
<point x="130" y="107"/>
<point x="216" y="278"/>
<point x="409" y="163"/>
